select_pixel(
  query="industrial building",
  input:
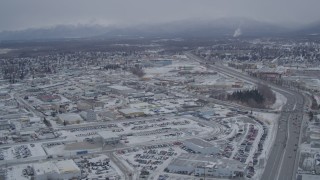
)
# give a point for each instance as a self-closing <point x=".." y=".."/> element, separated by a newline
<point x="108" y="137"/>
<point x="201" y="146"/>
<point x="131" y="112"/>
<point x="89" y="115"/>
<point x="201" y="165"/>
<point x="122" y="90"/>
<point x="66" y="169"/>
<point x="69" y="118"/>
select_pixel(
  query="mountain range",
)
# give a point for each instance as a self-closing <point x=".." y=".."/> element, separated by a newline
<point x="233" y="27"/>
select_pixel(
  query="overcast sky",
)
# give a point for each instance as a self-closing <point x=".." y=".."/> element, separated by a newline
<point x="21" y="14"/>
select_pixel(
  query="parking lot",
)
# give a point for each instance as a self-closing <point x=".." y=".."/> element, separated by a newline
<point x="98" y="166"/>
<point x="153" y="158"/>
<point x="22" y="152"/>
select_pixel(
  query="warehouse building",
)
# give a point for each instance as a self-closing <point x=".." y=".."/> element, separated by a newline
<point x="202" y="165"/>
<point x="131" y="112"/>
<point x="201" y="146"/>
<point x="70" y="118"/>
<point x="122" y="90"/>
<point x="108" y="137"/>
<point x="89" y="115"/>
<point x="66" y="169"/>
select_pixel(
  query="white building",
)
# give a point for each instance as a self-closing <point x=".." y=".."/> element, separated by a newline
<point x="26" y="135"/>
<point x="34" y="120"/>
<point x="122" y="90"/>
<point x="221" y="168"/>
<point x="70" y="118"/>
<point x="201" y="146"/>
<point x="90" y="93"/>
<point x="89" y="115"/>
<point x="182" y="166"/>
<point x="59" y="170"/>
<point x="109" y="137"/>
<point x="202" y="165"/>
<point x="131" y="112"/>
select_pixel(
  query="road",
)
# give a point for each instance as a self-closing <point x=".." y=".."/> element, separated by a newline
<point x="27" y="105"/>
<point x="127" y="173"/>
<point x="282" y="157"/>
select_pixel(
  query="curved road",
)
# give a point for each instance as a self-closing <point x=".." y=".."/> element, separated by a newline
<point x="282" y="157"/>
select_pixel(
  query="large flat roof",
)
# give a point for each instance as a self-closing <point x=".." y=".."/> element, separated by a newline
<point x="70" y="117"/>
<point x="44" y="167"/>
<point x="61" y="167"/>
<point x="121" y="88"/>
<point x="67" y="166"/>
<point x="130" y="111"/>
<point x="195" y="160"/>
<point x="107" y="134"/>
<point x="199" y="142"/>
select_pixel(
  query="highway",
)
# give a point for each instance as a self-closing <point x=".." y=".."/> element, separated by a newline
<point x="282" y="157"/>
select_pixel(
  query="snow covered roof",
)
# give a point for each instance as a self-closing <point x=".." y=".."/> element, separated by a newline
<point x="67" y="166"/>
<point x="44" y="168"/>
<point x="70" y="117"/>
<point x="120" y="88"/>
<point x="107" y="134"/>
<point x="60" y="167"/>
<point x="199" y="142"/>
<point x="130" y="111"/>
<point x="35" y="119"/>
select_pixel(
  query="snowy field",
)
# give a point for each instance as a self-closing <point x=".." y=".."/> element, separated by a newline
<point x="281" y="100"/>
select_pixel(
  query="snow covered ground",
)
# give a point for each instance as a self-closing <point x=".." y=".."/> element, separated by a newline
<point x="271" y="121"/>
<point x="15" y="172"/>
<point x="281" y="100"/>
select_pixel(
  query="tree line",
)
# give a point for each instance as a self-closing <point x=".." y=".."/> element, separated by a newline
<point x="260" y="97"/>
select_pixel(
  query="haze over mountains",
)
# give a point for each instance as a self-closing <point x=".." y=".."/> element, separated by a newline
<point x="187" y="28"/>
